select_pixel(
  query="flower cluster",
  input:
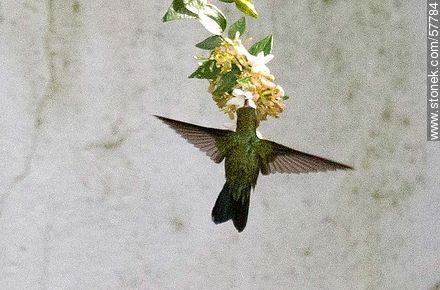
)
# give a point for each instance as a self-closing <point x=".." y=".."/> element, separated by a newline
<point x="237" y="76"/>
<point x="243" y="78"/>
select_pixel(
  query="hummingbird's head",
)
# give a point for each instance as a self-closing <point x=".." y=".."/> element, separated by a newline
<point x="246" y="119"/>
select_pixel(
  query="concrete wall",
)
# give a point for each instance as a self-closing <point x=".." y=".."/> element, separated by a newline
<point x="97" y="194"/>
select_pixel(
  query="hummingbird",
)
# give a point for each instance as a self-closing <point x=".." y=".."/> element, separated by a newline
<point x="245" y="155"/>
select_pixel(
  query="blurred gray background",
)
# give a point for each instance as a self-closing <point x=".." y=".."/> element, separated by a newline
<point x="97" y="194"/>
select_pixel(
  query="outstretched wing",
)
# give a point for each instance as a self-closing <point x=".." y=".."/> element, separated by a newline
<point x="278" y="158"/>
<point x="206" y="139"/>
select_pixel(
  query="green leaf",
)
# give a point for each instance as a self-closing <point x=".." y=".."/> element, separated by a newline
<point x="207" y="70"/>
<point x="246" y="7"/>
<point x="285" y="98"/>
<point x="184" y="9"/>
<point x="195" y="6"/>
<point x="209" y="15"/>
<point x="228" y="1"/>
<point x="264" y="45"/>
<point x="227" y="82"/>
<point x="239" y="26"/>
<point x="178" y="11"/>
<point x="245" y="84"/>
<point x="210" y="43"/>
<point x="212" y="19"/>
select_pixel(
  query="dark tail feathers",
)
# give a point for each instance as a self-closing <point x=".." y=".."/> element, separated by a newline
<point x="227" y="208"/>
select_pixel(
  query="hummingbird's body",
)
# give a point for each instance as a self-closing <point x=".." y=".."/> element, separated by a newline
<point x="245" y="156"/>
<point x="241" y="170"/>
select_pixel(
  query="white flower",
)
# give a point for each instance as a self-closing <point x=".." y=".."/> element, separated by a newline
<point x="268" y="83"/>
<point x="235" y="101"/>
<point x="241" y="50"/>
<point x="259" y="62"/>
<point x="280" y="91"/>
<point x="240" y="97"/>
